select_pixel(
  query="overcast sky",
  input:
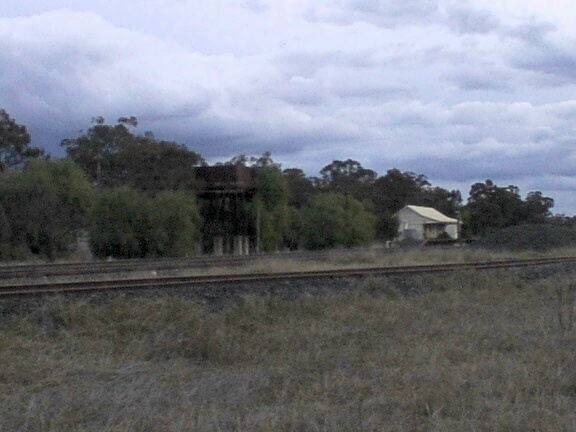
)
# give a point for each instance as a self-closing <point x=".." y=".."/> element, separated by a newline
<point x="460" y="91"/>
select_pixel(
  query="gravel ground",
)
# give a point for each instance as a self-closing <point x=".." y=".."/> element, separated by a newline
<point x="529" y="237"/>
<point x="223" y="296"/>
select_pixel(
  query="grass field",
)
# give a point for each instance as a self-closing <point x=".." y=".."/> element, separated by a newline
<point x="487" y="351"/>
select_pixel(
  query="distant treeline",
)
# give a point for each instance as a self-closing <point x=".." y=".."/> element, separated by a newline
<point x="136" y="196"/>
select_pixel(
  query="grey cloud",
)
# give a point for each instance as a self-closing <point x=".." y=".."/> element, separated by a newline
<point x="532" y="32"/>
<point x="308" y="63"/>
<point x="257" y="6"/>
<point x="469" y="20"/>
<point x="304" y="91"/>
<point x="557" y="62"/>
<point x="491" y="165"/>
<point x="386" y="13"/>
<point x="459" y="95"/>
<point x="372" y="91"/>
<point x="68" y="79"/>
<point x="541" y="50"/>
<point x="481" y="80"/>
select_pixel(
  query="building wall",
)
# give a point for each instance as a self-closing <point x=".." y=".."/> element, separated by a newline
<point x="415" y="227"/>
<point x="452" y="230"/>
<point x="411" y="225"/>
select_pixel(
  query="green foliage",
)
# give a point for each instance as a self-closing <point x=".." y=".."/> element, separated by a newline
<point x="175" y="224"/>
<point x="347" y="177"/>
<point x="396" y="189"/>
<point x="491" y="207"/>
<point x="270" y="206"/>
<point x="114" y="156"/>
<point x="44" y="206"/>
<point x="294" y="235"/>
<point x="152" y="165"/>
<point x="273" y="227"/>
<point x="300" y="188"/>
<point x="127" y="224"/>
<point x="336" y="220"/>
<point x="15" y="141"/>
<point x="272" y="188"/>
<point x="96" y="151"/>
<point x="120" y="224"/>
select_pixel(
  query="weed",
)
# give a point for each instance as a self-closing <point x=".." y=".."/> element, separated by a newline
<point x="470" y="351"/>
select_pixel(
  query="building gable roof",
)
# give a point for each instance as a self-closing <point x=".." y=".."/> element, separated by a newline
<point x="429" y="213"/>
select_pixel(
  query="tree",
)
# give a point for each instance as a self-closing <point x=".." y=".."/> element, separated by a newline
<point x="348" y="178"/>
<point x="446" y="202"/>
<point x="128" y="224"/>
<point x="264" y="161"/>
<point x="150" y="165"/>
<point x="113" y="156"/>
<point x="537" y="207"/>
<point x="266" y="216"/>
<point x="300" y="188"/>
<point x="45" y="205"/>
<point x="120" y="223"/>
<point x="96" y="151"/>
<point x="390" y="193"/>
<point x="15" y="141"/>
<point x="175" y="224"/>
<point x="271" y="207"/>
<point x="397" y="189"/>
<point x="333" y="220"/>
<point x="491" y="207"/>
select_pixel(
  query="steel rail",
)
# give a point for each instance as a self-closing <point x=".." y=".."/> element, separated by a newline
<point x="14" y="271"/>
<point x="164" y="282"/>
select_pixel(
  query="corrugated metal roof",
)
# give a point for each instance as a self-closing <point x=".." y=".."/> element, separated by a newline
<point x="430" y="213"/>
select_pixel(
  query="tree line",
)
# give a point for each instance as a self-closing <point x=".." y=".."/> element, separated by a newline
<point x="135" y="195"/>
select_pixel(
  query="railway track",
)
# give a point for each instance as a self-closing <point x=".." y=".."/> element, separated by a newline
<point x="163" y="264"/>
<point x="164" y="282"/>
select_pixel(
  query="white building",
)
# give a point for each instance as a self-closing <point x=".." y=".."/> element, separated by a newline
<point x="425" y="223"/>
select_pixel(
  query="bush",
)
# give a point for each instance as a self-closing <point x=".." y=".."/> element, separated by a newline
<point x="529" y="237"/>
<point x="43" y="207"/>
<point x="127" y="224"/>
<point x="336" y="220"/>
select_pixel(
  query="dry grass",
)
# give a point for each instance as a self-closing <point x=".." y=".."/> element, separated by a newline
<point x="473" y="352"/>
<point x="335" y="259"/>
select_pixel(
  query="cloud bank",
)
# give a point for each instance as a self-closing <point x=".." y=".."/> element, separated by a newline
<point x="459" y="91"/>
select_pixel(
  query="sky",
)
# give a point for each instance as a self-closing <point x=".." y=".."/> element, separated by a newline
<point x="459" y="91"/>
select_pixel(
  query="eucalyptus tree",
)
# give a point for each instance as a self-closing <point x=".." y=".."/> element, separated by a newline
<point x="15" y="143"/>
<point x="347" y="177"/>
<point x="96" y="151"/>
<point x="113" y="156"/>
<point x="491" y="207"/>
<point x="300" y="187"/>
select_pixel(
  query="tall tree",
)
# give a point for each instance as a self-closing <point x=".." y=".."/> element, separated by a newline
<point x="537" y="207"/>
<point x="150" y="165"/>
<point x="396" y="189"/>
<point x="347" y="177"/>
<point x="443" y="200"/>
<point x="267" y="216"/>
<point x="15" y="141"/>
<point x="300" y="188"/>
<point x="390" y="193"/>
<point x="96" y="152"/>
<point x="113" y="156"/>
<point x="491" y="207"/>
<point x="271" y="207"/>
